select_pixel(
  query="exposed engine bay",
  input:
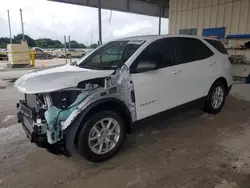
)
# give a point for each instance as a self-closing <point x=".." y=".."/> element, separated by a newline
<point x="52" y="113"/>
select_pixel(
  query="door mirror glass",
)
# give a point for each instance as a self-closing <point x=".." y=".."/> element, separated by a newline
<point x="146" y="65"/>
<point x="156" y="55"/>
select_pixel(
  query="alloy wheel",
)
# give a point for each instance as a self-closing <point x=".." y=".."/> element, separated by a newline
<point x="104" y="136"/>
<point x="217" y="97"/>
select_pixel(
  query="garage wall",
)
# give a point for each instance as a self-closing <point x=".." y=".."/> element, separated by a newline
<point x="234" y="15"/>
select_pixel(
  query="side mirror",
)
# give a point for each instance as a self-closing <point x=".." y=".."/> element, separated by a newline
<point x="144" y="66"/>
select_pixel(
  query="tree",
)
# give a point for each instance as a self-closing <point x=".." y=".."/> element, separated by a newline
<point x="42" y="42"/>
<point x="93" y="46"/>
<point x="58" y="44"/>
<point x="48" y="43"/>
<point x="4" y="41"/>
<point x="17" y="39"/>
<point x="74" y="44"/>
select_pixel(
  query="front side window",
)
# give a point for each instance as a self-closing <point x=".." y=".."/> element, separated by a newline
<point x="110" y="56"/>
<point x="190" y="49"/>
<point x="157" y="55"/>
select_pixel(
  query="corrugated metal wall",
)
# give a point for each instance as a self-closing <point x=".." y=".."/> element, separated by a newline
<point x="234" y="15"/>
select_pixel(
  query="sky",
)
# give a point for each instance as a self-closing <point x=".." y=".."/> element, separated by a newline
<point x="45" y="19"/>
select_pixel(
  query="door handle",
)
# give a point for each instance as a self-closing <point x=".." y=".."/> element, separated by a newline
<point x="211" y="62"/>
<point x="176" y="71"/>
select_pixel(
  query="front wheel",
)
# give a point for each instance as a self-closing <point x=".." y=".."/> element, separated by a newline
<point x="102" y="136"/>
<point x="216" y="98"/>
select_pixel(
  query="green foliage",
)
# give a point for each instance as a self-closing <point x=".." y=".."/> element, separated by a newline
<point x="41" y="42"/>
<point x="93" y="46"/>
<point x="48" y="43"/>
<point x="74" y="44"/>
<point x="17" y="39"/>
<point x="4" y="41"/>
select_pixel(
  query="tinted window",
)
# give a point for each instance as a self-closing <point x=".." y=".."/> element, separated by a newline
<point x="190" y="49"/>
<point x="111" y="55"/>
<point x="159" y="52"/>
<point x="217" y="45"/>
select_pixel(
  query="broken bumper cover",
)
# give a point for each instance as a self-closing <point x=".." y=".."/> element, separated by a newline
<point x="35" y="133"/>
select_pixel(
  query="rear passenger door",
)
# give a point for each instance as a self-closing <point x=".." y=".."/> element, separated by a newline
<point x="192" y="58"/>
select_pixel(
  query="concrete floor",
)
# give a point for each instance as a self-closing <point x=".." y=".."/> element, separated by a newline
<point x="190" y="150"/>
<point x="241" y="91"/>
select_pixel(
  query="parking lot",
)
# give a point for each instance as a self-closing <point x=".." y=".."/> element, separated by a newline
<point x="40" y="63"/>
<point x="192" y="149"/>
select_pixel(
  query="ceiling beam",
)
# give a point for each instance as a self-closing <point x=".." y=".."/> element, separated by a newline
<point x="144" y="7"/>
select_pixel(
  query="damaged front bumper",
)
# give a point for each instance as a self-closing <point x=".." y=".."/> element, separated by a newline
<point x="37" y="131"/>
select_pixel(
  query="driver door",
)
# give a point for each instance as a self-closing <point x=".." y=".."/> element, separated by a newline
<point x="154" y="81"/>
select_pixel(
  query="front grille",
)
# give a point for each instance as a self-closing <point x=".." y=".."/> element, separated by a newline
<point x="28" y="123"/>
<point x="26" y="111"/>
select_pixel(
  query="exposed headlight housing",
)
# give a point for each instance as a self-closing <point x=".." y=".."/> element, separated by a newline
<point x="63" y="99"/>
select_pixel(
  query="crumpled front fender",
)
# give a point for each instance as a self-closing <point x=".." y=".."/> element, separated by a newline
<point x="71" y="132"/>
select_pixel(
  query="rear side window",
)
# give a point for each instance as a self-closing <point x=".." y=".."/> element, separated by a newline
<point x="190" y="49"/>
<point x="217" y="45"/>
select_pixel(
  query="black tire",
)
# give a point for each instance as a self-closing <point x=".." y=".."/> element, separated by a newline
<point x="83" y="144"/>
<point x="209" y="101"/>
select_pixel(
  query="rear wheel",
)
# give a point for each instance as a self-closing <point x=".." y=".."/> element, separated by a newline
<point x="101" y="136"/>
<point x="216" y="98"/>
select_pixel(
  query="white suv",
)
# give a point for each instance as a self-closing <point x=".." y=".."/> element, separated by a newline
<point x="89" y="106"/>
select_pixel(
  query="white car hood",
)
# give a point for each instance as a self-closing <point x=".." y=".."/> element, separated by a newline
<point x="57" y="78"/>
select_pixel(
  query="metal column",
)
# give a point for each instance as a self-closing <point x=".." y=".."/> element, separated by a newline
<point x="70" y="60"/>
<point x="21" y="15"/>
<point x="9" y="26"/>
<point x="65" y="49"/>
<point x="159" y="31"/>
<point x="100" y="22"/>
<point x="160" y="25"/>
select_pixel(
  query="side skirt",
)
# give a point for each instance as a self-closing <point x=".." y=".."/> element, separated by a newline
<point x="196" y="104"/>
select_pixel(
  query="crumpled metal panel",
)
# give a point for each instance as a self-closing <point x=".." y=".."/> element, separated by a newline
<point x="124" y="84"/>
<point x="118" y="86"/>
<point x="55" y="115"/>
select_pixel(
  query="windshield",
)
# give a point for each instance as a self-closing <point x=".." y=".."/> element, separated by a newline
<point x="110" y="56"/>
